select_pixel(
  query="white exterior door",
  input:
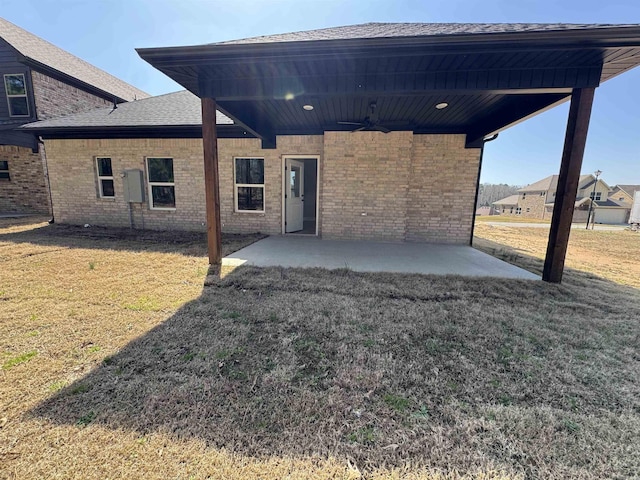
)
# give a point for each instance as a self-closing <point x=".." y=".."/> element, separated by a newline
<point x="294" y="195"/>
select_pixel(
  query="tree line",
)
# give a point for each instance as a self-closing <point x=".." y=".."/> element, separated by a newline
<point x="491" y="192"/>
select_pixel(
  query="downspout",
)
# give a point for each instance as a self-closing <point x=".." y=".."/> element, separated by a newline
<point x="46" y="175"/>
<point x="475" y="201"/>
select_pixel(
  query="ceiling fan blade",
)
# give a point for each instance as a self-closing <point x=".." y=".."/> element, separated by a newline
<point x="380" y="128"/>
<point x="361" y="129"/>
<point x="350" y="123"/>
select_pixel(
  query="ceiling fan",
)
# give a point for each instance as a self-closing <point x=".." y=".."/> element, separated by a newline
<point x="370" y="123"/>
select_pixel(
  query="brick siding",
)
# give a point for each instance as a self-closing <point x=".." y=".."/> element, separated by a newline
<point x="26" y="191"/>
<point x="534" y="201"/>
<point x="411" y="187"/>
<point x="55" y="98"/>
<point x="442" y="189"/>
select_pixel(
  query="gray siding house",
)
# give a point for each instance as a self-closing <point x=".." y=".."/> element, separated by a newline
<point x="39" y="81"/>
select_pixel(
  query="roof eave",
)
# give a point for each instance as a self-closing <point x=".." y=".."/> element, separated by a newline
<point x="35" y="64"/>
<point x="134" y="131"/>
<point x="585" y="38"/>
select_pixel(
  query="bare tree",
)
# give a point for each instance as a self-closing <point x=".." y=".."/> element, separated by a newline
<point x="491" y="192"/>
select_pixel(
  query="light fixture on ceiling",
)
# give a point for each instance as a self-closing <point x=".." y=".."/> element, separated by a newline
<point x="308" y="107"/>
<point x="442" y="105"/>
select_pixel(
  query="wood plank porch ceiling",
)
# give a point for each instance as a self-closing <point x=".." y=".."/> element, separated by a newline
<point x="488" y="83"/>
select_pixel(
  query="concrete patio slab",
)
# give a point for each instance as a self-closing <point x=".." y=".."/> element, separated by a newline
<point x="364" y="256"/>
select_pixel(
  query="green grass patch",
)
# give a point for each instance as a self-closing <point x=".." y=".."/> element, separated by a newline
<point x="17" y="360"/>
<point x="397" y="402"/>
<point x="144" y="304"/>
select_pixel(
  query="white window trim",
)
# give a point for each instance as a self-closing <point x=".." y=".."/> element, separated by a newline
<point x="105" y="177"/>
<point x="25" y="94"/>
<point x="151" y="184"/>
<point x="251" y="185"/>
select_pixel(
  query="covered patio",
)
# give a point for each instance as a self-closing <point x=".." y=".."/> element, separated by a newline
<point x="474" y="80"/>
<point x="363" y="256"/>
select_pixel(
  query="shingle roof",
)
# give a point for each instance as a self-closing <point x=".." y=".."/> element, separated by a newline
<point x="547" y="183"/>
<point x="551" y="182"/>
<point x="389" y="30"/>
<point x="173" y="109"/>
<point x="609" y="203"/>
<point x="510" y="200"/>
<point x="39" y="50"/>
<point x="629" y="189"/>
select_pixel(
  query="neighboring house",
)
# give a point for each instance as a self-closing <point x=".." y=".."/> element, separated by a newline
<point x="623" y="194"/>
<point x="536" y="201"/>
<point x="485" y="210"/>
<point x="39" y="81"/>
<point x="363" y="132"/>
<point x="507" y="206"/>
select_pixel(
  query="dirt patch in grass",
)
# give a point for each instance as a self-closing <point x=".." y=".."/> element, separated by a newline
<point x="275" y="373"/>
<point x="613" y="255"/>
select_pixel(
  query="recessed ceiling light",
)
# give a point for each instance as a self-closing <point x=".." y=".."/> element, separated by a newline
<point x="442" y="105"/>
<point x="308" y="107"/>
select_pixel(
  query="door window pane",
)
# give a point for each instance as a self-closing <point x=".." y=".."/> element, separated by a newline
<point x="295" y="182"/>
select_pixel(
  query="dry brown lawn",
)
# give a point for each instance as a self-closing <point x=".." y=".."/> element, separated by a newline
<point x="510" y="219"/>
<point x="118" y="363"/>
<point x="614" y="255"/>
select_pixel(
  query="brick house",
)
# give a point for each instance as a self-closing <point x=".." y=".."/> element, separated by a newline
<point x="40" y="81"/>
<point x="623" y="194"/>
<point x="536" y="201"/>
<point x="507" y="205"/>
<point x="371" y="131"/>
<point x="355" y="201"/>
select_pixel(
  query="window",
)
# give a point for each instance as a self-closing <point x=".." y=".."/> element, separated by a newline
<point x="4" y="170"/>
<point x="621" y="199"/>
<point x="518" y="211"/>
<point x="524" y="195"/>
<point x="528" y="209"/>
<point x="105" y="177"/>
<point x="542" y="194"/>
<point x="249" y="184"/>
<point x="511" y="210"/>
<point x="598" y="196"/>
<point x="162" y="190"/>
<point x="16" y="89"/>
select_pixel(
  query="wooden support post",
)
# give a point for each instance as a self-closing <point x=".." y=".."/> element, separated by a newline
<point x="574" y="143"/>
<point x="211" y="180"/>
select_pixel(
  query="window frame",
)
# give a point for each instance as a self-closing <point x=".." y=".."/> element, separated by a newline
<point x="249" y="185"/>
<point x="151" y="184"/>
<point x="105" y="177"/>
<point x="25" y="94"/>
<point x="2" y="170"/>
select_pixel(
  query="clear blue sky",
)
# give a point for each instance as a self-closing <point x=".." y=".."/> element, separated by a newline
<point x="105" y="33"/>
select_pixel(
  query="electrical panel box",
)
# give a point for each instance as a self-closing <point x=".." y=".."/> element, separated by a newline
<point x="133" y="186"/>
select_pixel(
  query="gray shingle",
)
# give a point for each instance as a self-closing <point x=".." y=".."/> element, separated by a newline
<point x="173" y="109"/>
<point x="35" y="48"/>
<point x="391" y="30"/>
<point x="629" y="189"/>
